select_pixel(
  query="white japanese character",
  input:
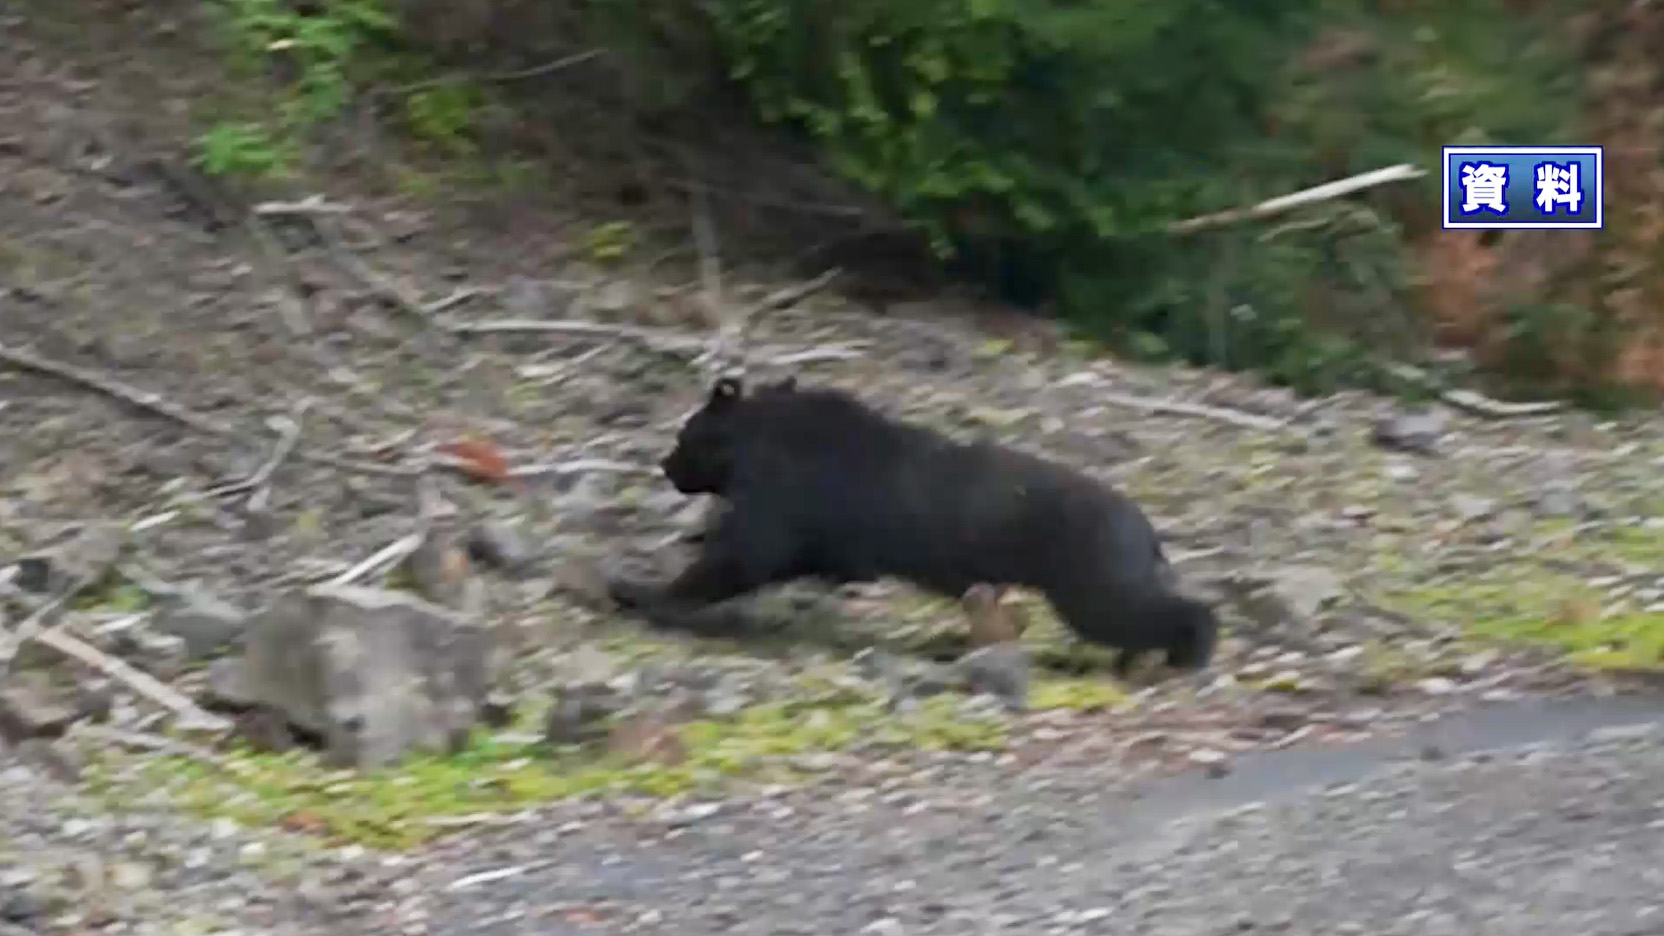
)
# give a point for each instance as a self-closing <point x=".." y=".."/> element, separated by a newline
<point x="1557" y="185"/>
<point x="1483" y="185"/>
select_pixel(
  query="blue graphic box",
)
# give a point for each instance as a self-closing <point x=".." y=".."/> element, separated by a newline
<point x="1535" y="187"/>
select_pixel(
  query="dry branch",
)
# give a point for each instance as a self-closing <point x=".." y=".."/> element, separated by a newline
<point x="1476" y="403"/>
<point x="30" y="627"/>
<point x="1181" y="408"/>
<point x="155" y="403"/>
<point x="536" y="71"/>
<point x="1317" y="193"/>
<point x="383" y="558"/>
<point x="355" y="265"/>
<point x="662" y="341"/>
<point x="191" y="716"/>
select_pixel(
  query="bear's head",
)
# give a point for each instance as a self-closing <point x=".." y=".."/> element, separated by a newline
<point x="702" y="462"/>
<point x="703" y="459"/>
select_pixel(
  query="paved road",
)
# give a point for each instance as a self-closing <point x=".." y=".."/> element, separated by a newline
<point x="1567" y="839"/>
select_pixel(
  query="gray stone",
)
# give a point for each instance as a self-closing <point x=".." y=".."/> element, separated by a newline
<point x="376" y="673"/>
<point x="204" y="622"/>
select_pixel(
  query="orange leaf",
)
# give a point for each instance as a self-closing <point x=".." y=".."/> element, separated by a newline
<point x="304" y="821"/>
<point x="478" y="459"/>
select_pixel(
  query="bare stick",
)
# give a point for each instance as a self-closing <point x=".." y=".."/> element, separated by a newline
<point x="155" y="403"/>
<point x="191" y="716"/>
<point x="1476" y="403"/>
<point x="30" y="627"/>
<point x="580" y="466"/>
<point x="285" y="445"/>
<point x="456" y="298"/>
<point x="369" y="276"/>
<point x="1317" y="193"/>
<point x="384" y="557"/>
<point x="792" y="295"/>
<point x="1180" y="408"/>
<point x="812" y="355"/>
<point x="280" y="451"/>
<point x="536" y="71"/>
<point x="654" y="339"/>
<point x="143" y="399"/>
<point x="310" y="205"/>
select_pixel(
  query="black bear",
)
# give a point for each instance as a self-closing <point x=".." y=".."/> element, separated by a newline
<point x="816" y="484"/>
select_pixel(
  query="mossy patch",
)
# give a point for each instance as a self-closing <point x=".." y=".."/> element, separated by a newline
<point x="395" y="807"/>
<point x="1525" y="602"/>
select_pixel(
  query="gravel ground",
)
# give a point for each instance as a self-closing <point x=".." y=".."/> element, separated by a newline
<point x="1564" y="839"/>
<point x="113" y="265"/>
<point x="1561" y="838"/>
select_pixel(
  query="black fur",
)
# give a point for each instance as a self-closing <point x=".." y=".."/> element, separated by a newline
<point x="817" y="484"/>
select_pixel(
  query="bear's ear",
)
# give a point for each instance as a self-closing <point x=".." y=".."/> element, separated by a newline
<point x="726" y="390"/>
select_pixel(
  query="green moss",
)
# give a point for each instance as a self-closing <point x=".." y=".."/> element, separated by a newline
<point x="392" y="808"/>
<point x="1640" y="545"/>
<point x="1521" y="602"/>
<point x="1081" y="694"/>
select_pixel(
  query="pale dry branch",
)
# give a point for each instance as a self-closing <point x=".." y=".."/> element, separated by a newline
<point x="580" y="466"/>
<point x="291" y="429"/>
<point x="310" y="205"/>
<point x="383" y="558"/>
<point x="1311" y="196"/>
<point x="31" y="627"/>
<point x="257" y="481"/>
<point x="161" y="406"/>
<point x="1476" y="403"/>
<point x="191" y="715"/>
<point x="791" y="295"/>
<point x="653" y="339"/>
<point x="535" y="71"/>
<point x="379" y="283"/>
<point x="1181" y="408"/>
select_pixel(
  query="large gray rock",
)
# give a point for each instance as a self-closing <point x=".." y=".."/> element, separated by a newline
<point x="375" y="673"/>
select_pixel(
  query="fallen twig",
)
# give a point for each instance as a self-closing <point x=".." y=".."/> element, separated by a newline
<point x="383" y="558"/>
<point x="1475" y="403"/>
<point x="653" y="339"/>
<point x="812" y="355"/>
<point x="310" y="205"/>
<point x="456" y="298"/>
<point x="258" y="480"/>
<point x="1317" y="193"/>
<point x="1181" y="408"/>
<point x="486" y="877"/>
<point x="536" y="71"/>
<point x="792" y="295"/>
<point x="580" y="466"/>
<point x="191" y="715"/>
<point x="355" y="265"/>
<point x="161" y="406"/>
<point x="30" y="627"/>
